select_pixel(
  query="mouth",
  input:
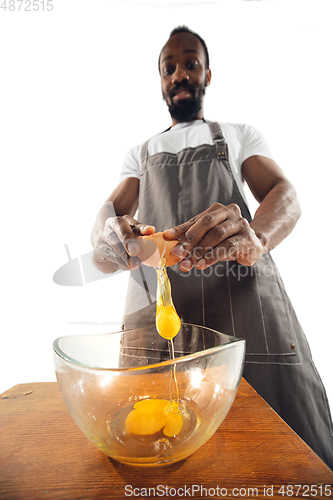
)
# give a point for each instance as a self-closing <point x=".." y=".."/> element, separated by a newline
<point x="183" y="94"/>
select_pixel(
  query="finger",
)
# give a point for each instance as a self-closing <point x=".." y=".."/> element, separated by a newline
<point x="106" y="254"/>
<point x="123" y="228"/>
<point x="109" y="247"/>
<point x="207" y="232"/>
<point x="127" y="229"/>
<point x="227" y="251"/>
<point x="216" y="236"/>
<point x="244" y="247"/>
<point x="177" y="232"/>
<point x="184" y="246"/>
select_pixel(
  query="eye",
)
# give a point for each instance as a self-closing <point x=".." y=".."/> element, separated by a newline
<point x="168" y="70"/>
<point x="192" y="65"/>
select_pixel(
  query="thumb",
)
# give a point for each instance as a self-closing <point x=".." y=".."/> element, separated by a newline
<point x="175" y="233"/>
<point x="144" y="229"/>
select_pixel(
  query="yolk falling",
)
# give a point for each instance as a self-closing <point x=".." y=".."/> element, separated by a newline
<point x="152" y="415"/>
<point x="167" y="320"/>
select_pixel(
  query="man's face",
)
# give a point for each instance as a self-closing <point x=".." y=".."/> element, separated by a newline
<point x="184" y="77"/>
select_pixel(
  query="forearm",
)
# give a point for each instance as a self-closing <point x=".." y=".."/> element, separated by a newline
<point x="106" y="211"/>
<point x="122" y="201"/>
<point x="277" y="215"/>
<point x="115" y="230"/>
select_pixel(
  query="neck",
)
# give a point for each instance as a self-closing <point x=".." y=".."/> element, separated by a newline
<point x="199" y="117"/>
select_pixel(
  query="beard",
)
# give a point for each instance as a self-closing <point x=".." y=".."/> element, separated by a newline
<point x="187" y="109"/>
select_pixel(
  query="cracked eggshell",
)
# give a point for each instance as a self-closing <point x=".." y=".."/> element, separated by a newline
<point x="152" y="247"/>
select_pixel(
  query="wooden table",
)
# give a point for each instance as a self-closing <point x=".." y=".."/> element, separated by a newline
<point x="43" y="455"/>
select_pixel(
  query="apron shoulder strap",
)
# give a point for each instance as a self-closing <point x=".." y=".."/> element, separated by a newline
<point x="144" y="151"/>
<point x="215" y="130"/>
<point x="144" y="154"/>
<point x="219" y="140"/>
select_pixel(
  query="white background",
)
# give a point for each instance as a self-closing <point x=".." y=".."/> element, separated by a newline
<point x="80" y="86"/>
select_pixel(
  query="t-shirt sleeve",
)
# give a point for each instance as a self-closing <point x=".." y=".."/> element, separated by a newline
<point x="253" y="143"/>
<point x="131" y="165"/>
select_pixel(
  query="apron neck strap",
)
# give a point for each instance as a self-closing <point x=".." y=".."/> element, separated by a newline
<point x="144" y="153"/>
<point x="219" y="140"/>
<point x="215" y="130"/>
<point x="144" y="149"/>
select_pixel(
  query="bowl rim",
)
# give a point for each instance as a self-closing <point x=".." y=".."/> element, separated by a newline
<point x="57" y="350"/>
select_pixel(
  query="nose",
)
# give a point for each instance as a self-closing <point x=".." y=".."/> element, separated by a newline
<point x="179" y="74"/>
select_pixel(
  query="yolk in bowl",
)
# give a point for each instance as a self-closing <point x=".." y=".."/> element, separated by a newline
<point x="152" y="415"/>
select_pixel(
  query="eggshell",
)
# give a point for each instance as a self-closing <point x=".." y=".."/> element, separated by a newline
<point x="152" y="247"/>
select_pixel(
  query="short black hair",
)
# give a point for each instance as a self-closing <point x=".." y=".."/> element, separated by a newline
<point x="185" y="29"/>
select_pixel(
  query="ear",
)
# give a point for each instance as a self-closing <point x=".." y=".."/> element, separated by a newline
<point x="208" y="77"/>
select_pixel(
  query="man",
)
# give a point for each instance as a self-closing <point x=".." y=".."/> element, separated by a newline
<point x="187" y="182"/>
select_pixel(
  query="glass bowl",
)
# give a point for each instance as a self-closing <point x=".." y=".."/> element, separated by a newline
<point x="102" y="377"/>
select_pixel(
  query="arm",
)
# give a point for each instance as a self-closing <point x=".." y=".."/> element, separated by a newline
<point x="221" y="233"/>
<point x="115" y="230"/>
<point x="122" y="201"/>
<point x="279" y="209"/>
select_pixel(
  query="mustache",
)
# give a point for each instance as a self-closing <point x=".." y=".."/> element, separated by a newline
<point x="184" y="85"/>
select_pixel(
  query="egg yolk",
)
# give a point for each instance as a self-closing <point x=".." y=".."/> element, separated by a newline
<point x="152" y="415"/>
<point x="167" y="320"/>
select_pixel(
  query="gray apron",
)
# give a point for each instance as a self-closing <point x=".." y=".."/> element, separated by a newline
<point x="245" y="302"/>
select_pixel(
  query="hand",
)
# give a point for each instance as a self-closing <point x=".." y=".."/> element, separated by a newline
<point x="115" y="246"/>
<point x="220" y="233"/>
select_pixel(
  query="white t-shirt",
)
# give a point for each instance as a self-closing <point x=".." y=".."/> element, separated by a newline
<point x="243" y="141"/>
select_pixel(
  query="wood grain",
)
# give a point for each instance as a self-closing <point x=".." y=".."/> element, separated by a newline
<point x="43" y="455"/>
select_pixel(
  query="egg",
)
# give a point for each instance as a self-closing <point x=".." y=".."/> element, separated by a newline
<point x="153" y="415"/>
<point x="174" y="422"/>
<point x="167" y="321"/>
<point x="152" y="247"/>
